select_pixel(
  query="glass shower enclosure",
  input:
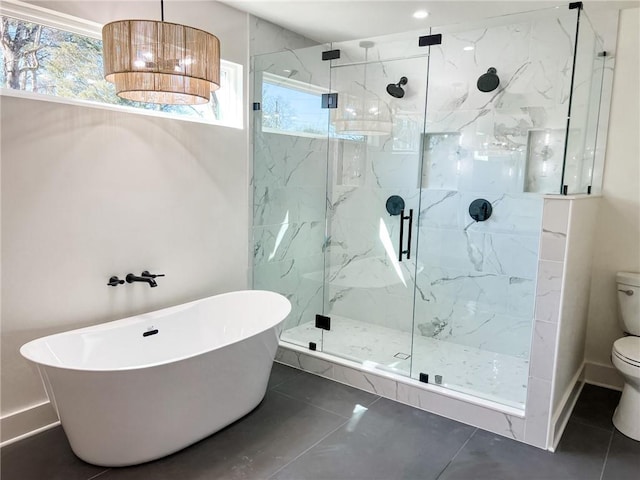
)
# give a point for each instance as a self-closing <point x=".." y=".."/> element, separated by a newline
<point x="398" y="186"/>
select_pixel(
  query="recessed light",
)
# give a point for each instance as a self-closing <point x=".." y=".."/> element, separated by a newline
<point x="420" y="14"/>
<point x="468" y="48"/>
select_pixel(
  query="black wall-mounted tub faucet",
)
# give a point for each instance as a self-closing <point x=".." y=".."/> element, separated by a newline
<point x="130" y="278"/>
<point x="152" y="275"/>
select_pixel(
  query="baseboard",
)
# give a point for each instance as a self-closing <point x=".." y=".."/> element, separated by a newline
<point x="603" y="376"/>
<point x="565" y="408"/>
<point x="27" y="422"/>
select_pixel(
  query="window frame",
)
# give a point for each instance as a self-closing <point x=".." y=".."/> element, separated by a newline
<point x="35" y="14"/>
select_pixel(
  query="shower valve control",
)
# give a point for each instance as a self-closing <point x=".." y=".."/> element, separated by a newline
<point x="480" y="210"/>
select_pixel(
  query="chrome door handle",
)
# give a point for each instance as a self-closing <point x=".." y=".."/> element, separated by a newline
<point x="626" y="292"/>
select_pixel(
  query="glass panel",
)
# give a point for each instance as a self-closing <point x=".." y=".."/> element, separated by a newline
<point x="585" y="109"/>
<point x="289" y="184"/>
<point x="374" y="155"/>
<point x="475" y="295"/>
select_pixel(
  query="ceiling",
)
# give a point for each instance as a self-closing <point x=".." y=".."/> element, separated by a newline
<point x="338" y="20"/>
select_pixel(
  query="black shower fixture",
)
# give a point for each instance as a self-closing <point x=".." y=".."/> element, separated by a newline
<point x="395" y="89"/>
<point x="489" y="81"/>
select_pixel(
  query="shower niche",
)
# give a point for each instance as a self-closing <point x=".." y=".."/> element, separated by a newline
<point x="460" y="307"/>
<point x="449" y="164"/>
<point x="534" y="166"/>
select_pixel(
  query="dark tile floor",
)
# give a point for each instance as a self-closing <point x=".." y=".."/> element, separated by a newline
<point x="311" y="428"/>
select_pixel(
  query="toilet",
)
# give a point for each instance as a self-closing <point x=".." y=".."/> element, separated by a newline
<point x="625" y="355"/>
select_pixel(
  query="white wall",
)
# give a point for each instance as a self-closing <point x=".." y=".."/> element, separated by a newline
<point x="617" y="236"/>
<point x="228" y="24"/>
<point x="88" y="193"/>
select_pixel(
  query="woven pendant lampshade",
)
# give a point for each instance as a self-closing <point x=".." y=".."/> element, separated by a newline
<point x="161" y="62"/>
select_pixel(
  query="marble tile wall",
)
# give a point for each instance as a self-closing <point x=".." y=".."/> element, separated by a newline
<point x="288" y="179"/>
<point x="478" y="282"/>
<point x="289" y="176"/>
<point x="562" y="298"/>
<point x="288" y="221"/>
<point x="475" y="281"/>
<point x="363" y="240"/>
<point x="555" y="226"/>
<point x="533" y="59"/>
<point x="575" y="303"/>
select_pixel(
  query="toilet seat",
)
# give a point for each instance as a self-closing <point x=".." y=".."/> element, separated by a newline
<point x="627" y="349"/>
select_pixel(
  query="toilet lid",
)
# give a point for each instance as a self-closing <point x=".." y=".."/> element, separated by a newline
<point x="627" y="349"/>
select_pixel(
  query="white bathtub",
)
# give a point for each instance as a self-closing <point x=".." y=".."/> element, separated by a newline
<point x="126" y="394"/>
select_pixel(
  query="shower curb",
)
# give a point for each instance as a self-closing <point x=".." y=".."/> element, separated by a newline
<point x="486" y="415"/>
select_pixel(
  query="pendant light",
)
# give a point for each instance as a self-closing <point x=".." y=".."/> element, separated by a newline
<point x="362" y="113"/>
<point x="161" y="62"/>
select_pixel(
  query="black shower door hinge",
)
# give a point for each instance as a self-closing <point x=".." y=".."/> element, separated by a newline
<point x="428" y="40"/>
<point x="573" y="5"/>
<point x="331" y="55"/>
<point x="256" y="106"/>
<point x="323" y="322"/>
<point x="329" y="100"/>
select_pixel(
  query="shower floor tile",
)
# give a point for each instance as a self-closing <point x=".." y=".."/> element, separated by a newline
<point x="493" y="376"/>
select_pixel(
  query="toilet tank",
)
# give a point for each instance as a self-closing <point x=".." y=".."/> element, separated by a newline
<point x="629" y="301"/>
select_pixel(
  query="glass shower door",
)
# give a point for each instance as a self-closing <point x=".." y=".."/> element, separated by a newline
<point x="374" y="171"/>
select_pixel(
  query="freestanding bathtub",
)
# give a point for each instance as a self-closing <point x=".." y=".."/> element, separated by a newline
<point x="140" y="388"/>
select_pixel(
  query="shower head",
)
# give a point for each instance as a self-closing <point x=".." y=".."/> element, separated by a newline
<point x="395" y="89"/>
<point x="489" y="81"/>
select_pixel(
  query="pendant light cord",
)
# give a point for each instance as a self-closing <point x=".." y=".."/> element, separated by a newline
<point x="162" y="10"/>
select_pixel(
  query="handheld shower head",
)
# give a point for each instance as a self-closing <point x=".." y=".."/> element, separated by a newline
<point x="395" y="89"/>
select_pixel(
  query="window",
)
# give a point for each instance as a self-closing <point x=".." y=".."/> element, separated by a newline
<point x="52" y="54"/>
<point x="292" y="106"/>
